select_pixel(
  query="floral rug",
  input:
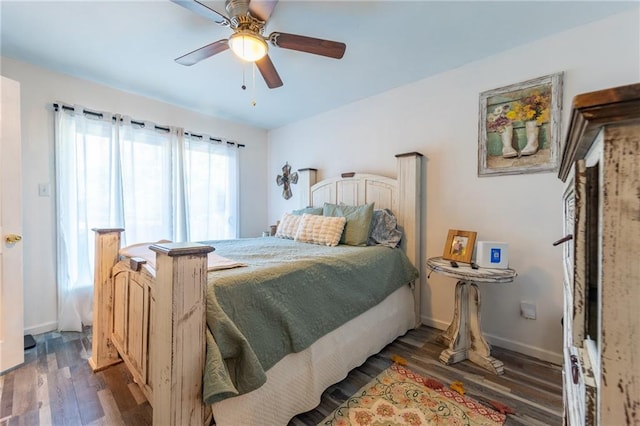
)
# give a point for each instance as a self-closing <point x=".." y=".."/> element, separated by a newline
<point x="398" y="396"/>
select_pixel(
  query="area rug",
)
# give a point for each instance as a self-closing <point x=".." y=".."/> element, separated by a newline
<point x="398" y="396"/>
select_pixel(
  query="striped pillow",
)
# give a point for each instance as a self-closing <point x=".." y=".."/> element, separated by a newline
<point x="288" y="226"/>
<point x="321" y="230"/>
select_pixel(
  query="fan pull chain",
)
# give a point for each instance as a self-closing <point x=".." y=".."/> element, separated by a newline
<point x="244" y="86"/>
<point x="253" y="88"/>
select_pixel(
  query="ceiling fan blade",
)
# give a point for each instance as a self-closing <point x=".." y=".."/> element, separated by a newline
<point x="262" y="9"/>
<point x="317" y="46"/>
<point x="203" y="10"/>
<point x="269" y="73"/>
<point x="203" y="53"/>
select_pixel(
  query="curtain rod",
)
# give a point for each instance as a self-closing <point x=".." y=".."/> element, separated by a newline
<point x="141" y="123"/>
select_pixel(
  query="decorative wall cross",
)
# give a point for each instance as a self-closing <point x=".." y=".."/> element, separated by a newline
<point x="286" y="179"/>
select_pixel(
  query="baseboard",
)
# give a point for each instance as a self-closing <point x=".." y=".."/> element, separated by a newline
<point x="430" y="322"/>
<point x="512" y="345"/>
<point x="42" y="328"/>
<point x="523" y="348"/>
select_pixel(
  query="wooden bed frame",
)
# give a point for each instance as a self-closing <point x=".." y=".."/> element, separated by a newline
<point x="155" y="321"/>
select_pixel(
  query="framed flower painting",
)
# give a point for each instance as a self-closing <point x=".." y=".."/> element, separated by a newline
<point x="519" y="127"/>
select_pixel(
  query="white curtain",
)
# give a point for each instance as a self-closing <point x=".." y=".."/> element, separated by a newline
<point x="149" y="183"/>
<point x="211" y="178"/>
<point x="156" y="183"/>
<point x="86" y="197"/>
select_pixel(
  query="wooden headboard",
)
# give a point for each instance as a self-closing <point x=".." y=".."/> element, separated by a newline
<point x="401" y="195"/>
<point x="357" y="190"/>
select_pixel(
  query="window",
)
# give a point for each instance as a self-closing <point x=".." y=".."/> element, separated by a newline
<point x="156" y="183"/>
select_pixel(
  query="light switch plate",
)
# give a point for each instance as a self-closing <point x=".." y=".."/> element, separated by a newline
<point x="44" y="190"/>
<point x="528" y="310"/>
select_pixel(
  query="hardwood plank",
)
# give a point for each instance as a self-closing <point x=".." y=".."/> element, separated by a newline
<point x="110" y="407"/>
<point x="139" y="416"/>
<point x="71" y="336"/>
<point x="6" y="399"/>
<point x="97" y="381"/>
<point x="24" y="389"/>
<point x="89" y="405"/>
<point x="29" y="418"/>
<point x="72" y="350"/>
<point x="62" y="354"/>
<point x="44" y="415"/>
<point x="52" y="362"/>
<point x="117" y="379"/>
<point x="42" y="396"/>
<point x="54" y="342"/>
<point x="62" y="398"/>
<point x="42" y="364"/>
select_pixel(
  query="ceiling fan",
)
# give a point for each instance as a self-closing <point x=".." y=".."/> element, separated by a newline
<point x="247" y="19"/>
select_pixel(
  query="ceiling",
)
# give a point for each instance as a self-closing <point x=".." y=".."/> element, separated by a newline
<point x="131" y="46"/>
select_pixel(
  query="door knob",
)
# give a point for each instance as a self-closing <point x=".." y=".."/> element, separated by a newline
<point x="12" y="238"/>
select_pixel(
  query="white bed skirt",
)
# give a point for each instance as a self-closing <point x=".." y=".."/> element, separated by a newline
<point x="295" y="384"/>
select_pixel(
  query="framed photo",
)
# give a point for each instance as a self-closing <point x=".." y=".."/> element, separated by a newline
<point x="459" y="246"/>
<point x="519" y="127"/>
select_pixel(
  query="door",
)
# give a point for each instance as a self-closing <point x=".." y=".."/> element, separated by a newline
<point x="11" y="299"/>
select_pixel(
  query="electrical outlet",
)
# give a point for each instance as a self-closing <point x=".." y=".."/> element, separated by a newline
<point x="528" y="310"/>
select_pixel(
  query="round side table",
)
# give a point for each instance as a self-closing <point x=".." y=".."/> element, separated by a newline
<point x="463" y="337"/>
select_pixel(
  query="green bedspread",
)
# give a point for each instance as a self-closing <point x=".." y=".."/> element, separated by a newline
<point x="290" y="295"/>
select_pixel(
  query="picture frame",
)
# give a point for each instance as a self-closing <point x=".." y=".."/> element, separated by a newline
<point x="519" y="127"/>
<point x="459" y="245"/>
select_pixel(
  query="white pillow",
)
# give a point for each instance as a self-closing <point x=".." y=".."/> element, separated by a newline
<point x="321" y="230"/>
<point x="288" y="226"/>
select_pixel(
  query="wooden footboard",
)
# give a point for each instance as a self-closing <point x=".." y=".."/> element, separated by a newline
<point x="134" y="303"/>
<point x="155" y="321"/>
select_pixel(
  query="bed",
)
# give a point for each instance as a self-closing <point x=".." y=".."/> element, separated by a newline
<point x="171" y="322"/>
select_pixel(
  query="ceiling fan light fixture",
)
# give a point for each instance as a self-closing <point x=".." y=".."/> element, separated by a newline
<point x="248" y="46"/>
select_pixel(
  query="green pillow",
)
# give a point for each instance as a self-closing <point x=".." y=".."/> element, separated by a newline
<point x="310" y="210"/>
<point x="356" y="231"/>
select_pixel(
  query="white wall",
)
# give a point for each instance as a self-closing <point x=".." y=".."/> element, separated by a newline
<point x="438" y="117"/>
<point x="39" y="89"/>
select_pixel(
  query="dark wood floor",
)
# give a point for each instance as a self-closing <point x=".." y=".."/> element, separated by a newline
<point x="532" y="388"/>
<point x="55" y="385"/>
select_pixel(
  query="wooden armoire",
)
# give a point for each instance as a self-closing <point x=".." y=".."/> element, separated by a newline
<point x="601" y="168"/>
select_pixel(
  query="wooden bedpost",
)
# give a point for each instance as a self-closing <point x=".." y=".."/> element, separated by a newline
<point x="409" y="208"/>
<point x="103" y="353"/>
<point x="179" y="341"/>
